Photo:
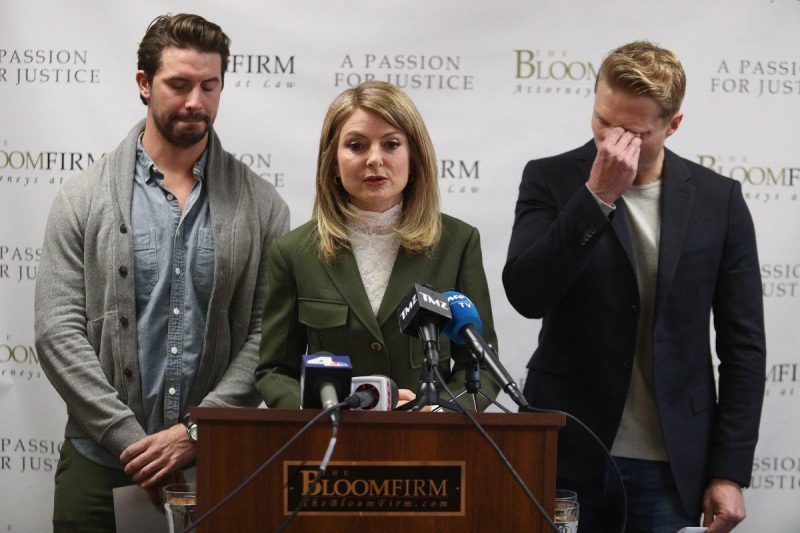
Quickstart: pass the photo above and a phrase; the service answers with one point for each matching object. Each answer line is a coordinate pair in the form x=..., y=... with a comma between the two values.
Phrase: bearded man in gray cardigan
x=152, y=282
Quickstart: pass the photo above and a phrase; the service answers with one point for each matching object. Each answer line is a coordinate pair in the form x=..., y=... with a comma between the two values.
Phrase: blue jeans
x=653, y=502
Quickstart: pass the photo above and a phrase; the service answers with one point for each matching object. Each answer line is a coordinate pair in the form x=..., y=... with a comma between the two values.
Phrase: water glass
x=566, y=516
x=179, y=503
x=563, y=495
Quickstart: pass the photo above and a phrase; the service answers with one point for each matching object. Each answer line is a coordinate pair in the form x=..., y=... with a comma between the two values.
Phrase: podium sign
x=391, y=488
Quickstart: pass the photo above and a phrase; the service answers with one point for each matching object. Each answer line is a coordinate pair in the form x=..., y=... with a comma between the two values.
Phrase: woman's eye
x=393, y=145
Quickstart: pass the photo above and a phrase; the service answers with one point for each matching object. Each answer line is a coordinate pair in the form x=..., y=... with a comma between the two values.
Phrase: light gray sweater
x=85, y=306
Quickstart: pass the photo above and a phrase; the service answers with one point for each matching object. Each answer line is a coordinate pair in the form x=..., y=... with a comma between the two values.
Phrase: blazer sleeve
x=283, y=338
x=551, y=240
x=741, y=347
x=471, y=282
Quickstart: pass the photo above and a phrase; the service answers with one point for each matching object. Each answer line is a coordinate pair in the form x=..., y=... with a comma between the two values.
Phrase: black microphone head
x=422, y=305
x=320, y=368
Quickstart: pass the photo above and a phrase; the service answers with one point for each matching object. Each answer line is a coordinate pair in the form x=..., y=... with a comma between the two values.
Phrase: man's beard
x=172, y=134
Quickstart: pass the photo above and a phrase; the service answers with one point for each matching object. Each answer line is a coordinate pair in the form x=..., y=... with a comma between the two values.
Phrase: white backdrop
x=498, y=83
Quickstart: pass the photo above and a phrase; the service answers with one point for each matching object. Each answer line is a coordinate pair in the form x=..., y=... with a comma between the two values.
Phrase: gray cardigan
x=86, y=309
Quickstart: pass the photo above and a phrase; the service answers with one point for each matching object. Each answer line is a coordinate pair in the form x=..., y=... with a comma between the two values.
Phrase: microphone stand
x=428, y=394
x=472, y=385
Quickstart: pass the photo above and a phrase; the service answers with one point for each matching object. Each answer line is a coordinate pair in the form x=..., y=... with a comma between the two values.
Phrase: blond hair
x=420, y=225
x=645, y=69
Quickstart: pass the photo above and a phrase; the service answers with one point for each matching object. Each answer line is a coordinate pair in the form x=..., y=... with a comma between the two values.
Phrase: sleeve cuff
x=606, y=208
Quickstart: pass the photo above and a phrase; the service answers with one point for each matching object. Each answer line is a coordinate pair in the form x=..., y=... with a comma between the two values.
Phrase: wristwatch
x=191, y=429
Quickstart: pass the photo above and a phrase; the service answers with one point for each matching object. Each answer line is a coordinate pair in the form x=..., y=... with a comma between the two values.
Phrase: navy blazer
x=572, y=266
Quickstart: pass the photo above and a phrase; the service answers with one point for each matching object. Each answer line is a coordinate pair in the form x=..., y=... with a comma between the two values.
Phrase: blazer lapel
x=344, y=274
x=676, y=207
x=620, y=225
x=408, y=269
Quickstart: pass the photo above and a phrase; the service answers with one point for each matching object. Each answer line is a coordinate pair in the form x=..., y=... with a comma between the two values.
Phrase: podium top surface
x=201, y=414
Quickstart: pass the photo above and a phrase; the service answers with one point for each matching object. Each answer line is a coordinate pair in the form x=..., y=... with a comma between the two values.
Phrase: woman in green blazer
x=336, y=281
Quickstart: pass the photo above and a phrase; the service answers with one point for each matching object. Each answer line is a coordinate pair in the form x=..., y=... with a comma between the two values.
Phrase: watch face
x=192, y=432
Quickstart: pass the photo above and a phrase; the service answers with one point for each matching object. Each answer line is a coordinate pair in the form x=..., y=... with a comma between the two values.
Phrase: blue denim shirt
x=174, y=269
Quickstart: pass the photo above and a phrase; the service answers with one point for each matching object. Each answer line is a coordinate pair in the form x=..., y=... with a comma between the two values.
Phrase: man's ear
x=143, y=82
x=674, y=122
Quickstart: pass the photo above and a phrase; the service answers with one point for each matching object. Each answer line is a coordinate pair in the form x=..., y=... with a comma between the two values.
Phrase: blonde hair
x=420, y=225
x=645, y=69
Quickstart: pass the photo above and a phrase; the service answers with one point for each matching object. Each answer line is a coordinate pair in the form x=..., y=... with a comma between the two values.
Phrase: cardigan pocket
x=326, y=325
x=100, y=334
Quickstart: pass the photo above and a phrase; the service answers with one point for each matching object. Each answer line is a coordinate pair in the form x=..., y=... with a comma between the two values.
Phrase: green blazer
x=315, y=305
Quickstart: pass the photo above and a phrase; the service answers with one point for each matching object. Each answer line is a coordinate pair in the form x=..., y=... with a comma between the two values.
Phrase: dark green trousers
x=83, y=499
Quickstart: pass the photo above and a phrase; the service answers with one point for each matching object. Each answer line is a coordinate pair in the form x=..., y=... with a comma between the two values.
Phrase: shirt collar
x=144, y=161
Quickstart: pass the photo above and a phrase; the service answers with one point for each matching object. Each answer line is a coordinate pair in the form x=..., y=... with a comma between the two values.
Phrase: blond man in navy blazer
x=625, y=250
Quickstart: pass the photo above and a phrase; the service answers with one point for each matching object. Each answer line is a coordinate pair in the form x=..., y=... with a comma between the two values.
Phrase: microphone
x=465, y=328
x=324, y=378
x=422, y=313
x=373, y=393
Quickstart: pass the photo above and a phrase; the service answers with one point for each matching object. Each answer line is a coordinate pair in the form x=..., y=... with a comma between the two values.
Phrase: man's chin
x=187, y=137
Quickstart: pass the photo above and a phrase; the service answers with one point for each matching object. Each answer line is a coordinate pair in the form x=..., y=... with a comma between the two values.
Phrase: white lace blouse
x=375, y=245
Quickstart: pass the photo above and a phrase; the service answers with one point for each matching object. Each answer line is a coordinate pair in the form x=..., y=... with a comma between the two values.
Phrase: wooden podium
x=389, y=472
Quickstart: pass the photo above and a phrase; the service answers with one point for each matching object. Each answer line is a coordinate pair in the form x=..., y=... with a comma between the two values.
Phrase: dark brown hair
x=181, y=31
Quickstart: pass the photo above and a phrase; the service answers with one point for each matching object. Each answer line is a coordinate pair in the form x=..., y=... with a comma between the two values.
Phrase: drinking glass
x=566, y=516
x=179, y=503
x=563, y=495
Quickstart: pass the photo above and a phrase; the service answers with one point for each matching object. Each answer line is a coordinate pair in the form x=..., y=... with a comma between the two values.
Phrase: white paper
x=134, y=512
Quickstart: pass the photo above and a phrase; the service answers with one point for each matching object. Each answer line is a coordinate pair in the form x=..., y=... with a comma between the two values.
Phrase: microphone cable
x=317, y=478
x=527, y=407
x=264, y=465
x=617, y=473
x=500, y=453
x=351, y=402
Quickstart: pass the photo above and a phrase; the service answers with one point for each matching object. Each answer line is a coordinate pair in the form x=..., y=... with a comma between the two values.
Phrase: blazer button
x=123, y=320
x=127, y=372
x=625, y=368
x=123, y=271
x=634, y=309
x=376, y=346
x=123, y=228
